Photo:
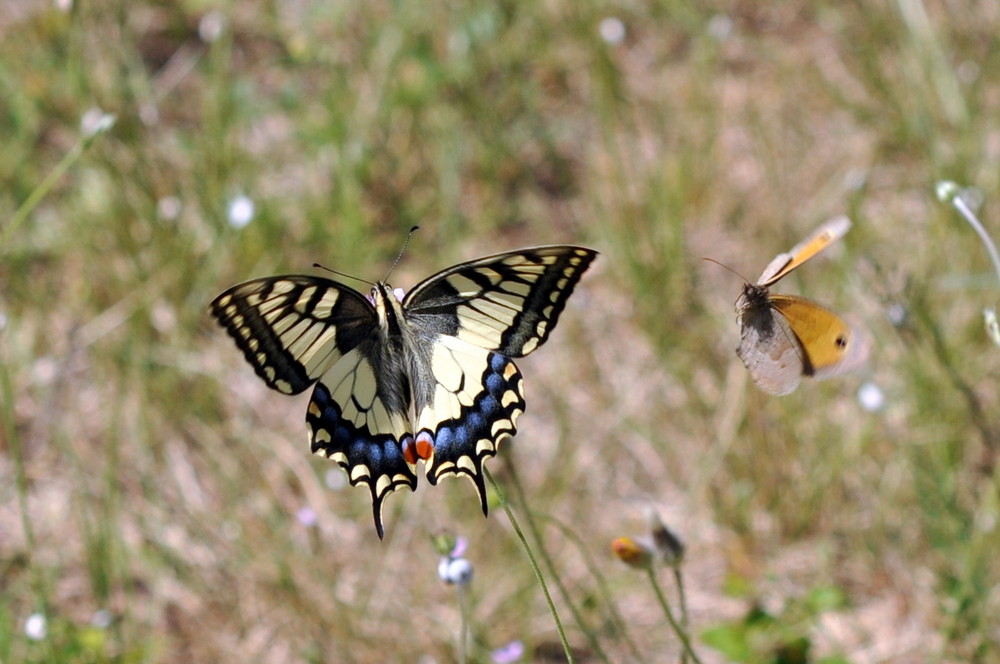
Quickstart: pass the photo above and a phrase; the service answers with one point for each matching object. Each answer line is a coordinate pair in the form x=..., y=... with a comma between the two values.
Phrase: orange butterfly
x=805, y=338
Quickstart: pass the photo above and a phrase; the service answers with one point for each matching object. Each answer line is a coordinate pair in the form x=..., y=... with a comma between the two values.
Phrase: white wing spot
x=492, y=310
x=447, y=371
x=364, y=384
x=517, y=288
x=465, y=286
x=324, y=307
x=302, y=304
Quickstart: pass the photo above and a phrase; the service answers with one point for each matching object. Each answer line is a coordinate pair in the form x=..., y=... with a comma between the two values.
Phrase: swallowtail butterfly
x=428, y=377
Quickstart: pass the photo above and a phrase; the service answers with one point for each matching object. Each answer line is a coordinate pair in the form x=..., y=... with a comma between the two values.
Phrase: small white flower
x=210, y=26
x=95, y=121
x=612, y=30
x=149, y=114
x=35, y=627
x=241, y=211
x=986, y=521
x=855, y=179
x=458, y=44
x=163, y=317
x=871, y=397
x=457, y=571
x=720, y=27
x=168, y=207
x=896, y=313
x=968, y=71
x=989, y=318
x=63, y=5
x=101, y=619
x=44, y=370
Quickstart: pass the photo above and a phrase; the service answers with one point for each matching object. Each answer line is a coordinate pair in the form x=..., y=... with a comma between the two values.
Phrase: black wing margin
x=508, y=303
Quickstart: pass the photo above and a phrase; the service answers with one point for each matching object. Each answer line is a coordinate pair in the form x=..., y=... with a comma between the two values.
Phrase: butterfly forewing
x=819, y=240
x=508, y=303
x=768, y=347
x=293, y=328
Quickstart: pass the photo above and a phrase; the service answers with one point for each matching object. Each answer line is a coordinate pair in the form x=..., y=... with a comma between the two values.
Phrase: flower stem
x=463, y=634
x=679, y=580
x=47, y=184
x=533, y=562
x=543, y=553
x=681, y=633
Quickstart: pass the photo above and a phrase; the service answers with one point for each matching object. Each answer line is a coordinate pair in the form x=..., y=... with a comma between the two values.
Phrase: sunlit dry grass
x=159, y=503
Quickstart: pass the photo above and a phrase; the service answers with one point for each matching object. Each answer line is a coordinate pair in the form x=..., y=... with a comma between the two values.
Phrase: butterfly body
x=785, y=337
x=429, y=378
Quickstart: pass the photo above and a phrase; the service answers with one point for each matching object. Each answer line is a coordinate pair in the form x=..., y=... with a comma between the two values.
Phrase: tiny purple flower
x=461, y=545
x=306, y=516
x=509, y=653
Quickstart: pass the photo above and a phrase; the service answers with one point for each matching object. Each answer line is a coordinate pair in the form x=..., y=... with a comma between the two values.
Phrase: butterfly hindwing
x=359, y=417
x=509, y=303
x=768, y=347
x=291, y=329
x=467, y=401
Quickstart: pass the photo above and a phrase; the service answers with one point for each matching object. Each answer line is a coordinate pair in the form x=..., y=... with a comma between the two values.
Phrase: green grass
x=146, y=472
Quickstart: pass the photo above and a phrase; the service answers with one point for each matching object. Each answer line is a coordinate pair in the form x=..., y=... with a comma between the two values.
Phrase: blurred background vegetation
x=159, y=504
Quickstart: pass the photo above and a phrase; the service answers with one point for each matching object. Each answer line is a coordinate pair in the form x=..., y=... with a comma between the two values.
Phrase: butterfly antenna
x=341, y=274
x=726, y=267
x=400, y=254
